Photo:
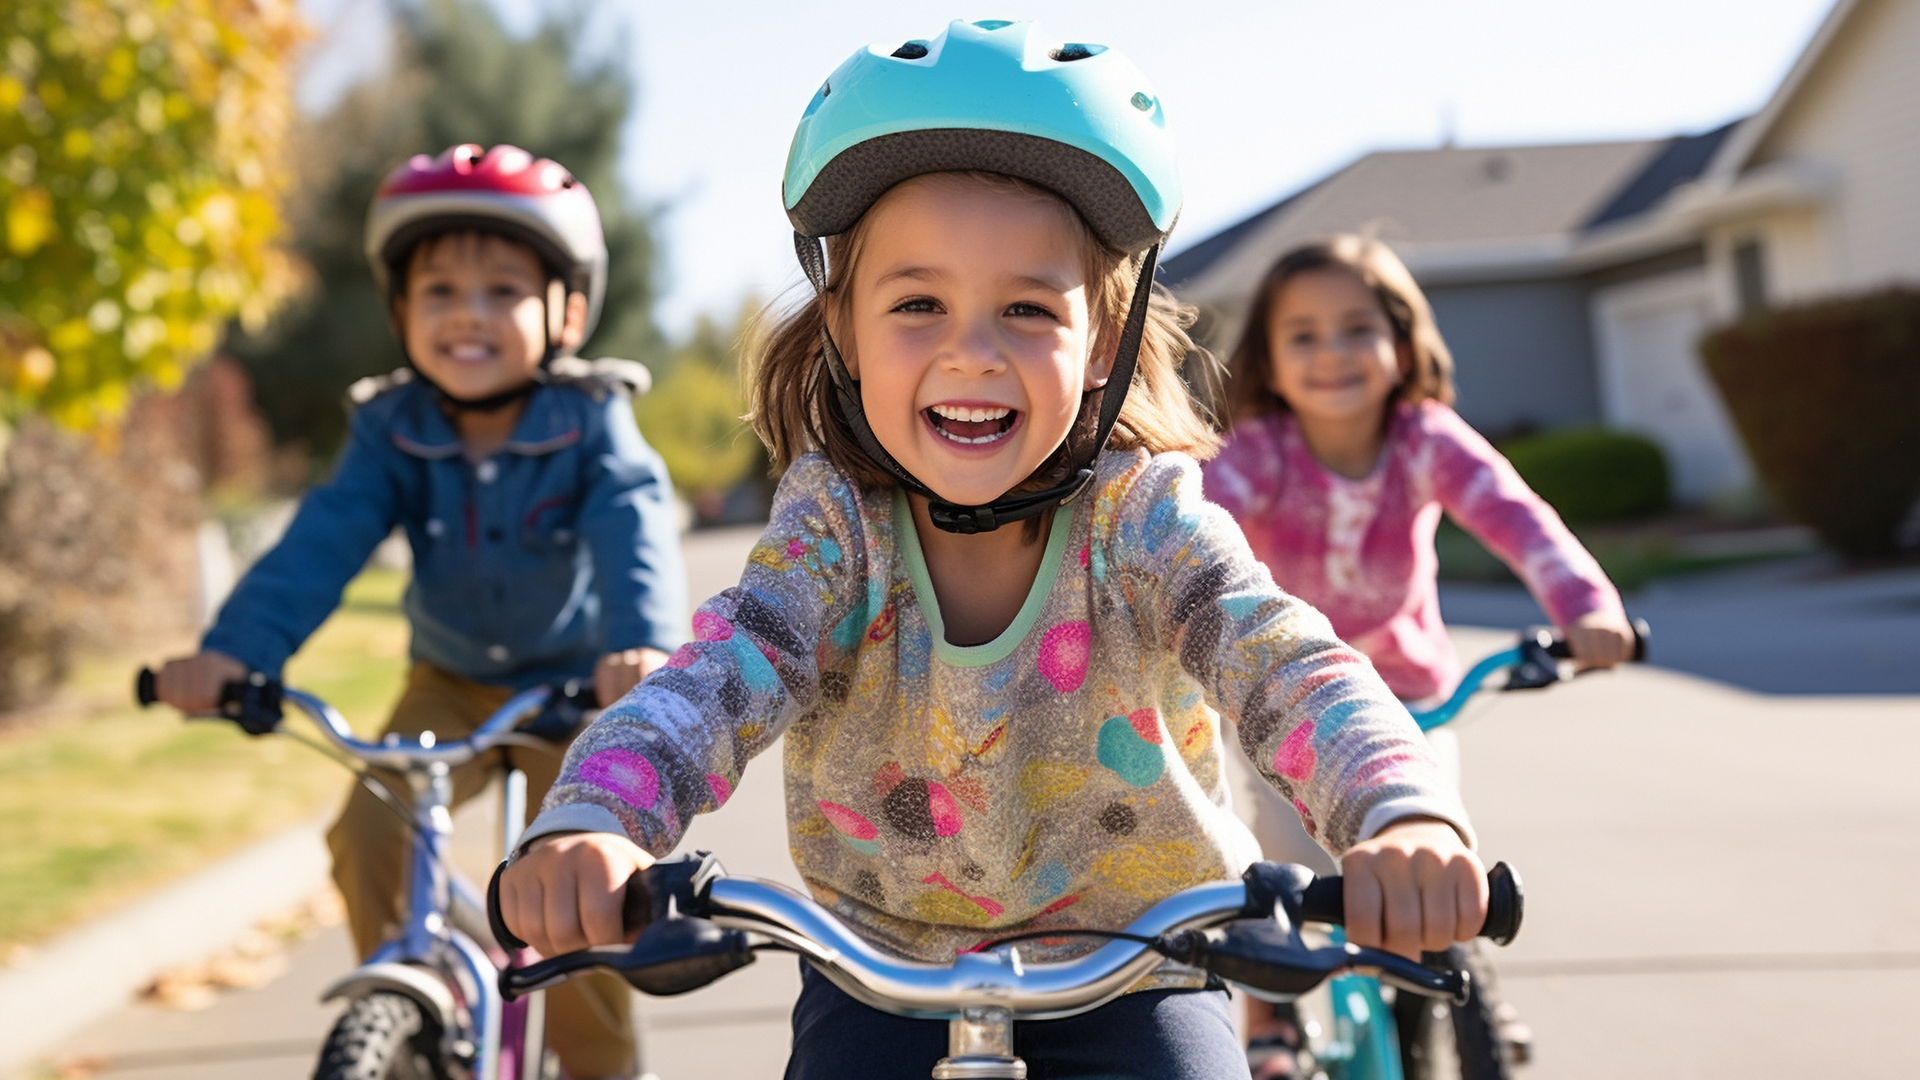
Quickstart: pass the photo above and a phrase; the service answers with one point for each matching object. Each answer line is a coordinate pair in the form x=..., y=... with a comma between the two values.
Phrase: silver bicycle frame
x=439, y=899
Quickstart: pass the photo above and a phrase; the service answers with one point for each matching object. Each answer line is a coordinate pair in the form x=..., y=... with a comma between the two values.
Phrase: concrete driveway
x=1720, y=881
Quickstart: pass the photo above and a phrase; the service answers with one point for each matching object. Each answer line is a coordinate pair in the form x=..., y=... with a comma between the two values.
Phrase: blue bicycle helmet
x=995, y=96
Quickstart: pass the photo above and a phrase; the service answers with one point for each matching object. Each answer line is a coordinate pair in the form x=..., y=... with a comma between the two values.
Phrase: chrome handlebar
x=1033, y=991
x=705, y=924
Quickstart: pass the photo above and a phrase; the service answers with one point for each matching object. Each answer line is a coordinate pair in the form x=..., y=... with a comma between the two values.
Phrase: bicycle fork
x=437, y=964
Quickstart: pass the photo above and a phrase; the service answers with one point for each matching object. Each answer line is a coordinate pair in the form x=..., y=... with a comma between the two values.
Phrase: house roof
x=1682, y=159
x=1521, y=197
x=1739, y=150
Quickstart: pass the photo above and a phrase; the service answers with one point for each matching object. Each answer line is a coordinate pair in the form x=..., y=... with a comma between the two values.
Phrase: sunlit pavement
x=1719, y=881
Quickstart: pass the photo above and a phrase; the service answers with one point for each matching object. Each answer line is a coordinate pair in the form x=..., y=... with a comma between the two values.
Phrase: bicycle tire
x=382, y=1036
x=1440, y=1040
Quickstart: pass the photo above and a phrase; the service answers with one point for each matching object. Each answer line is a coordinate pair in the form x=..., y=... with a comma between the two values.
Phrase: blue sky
x=1264, y=95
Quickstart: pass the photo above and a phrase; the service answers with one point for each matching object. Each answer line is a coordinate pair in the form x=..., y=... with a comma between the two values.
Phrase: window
x=1750, y=275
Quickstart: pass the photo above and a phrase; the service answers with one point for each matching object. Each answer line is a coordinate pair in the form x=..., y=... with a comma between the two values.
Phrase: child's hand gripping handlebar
x=257, y=704
x=704, y=924
x=1533, y=662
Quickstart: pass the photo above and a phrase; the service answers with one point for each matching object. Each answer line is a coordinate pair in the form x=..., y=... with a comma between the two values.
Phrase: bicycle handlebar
x=1557, y=647
x=707, y=924
x=1533, y=662
x=257, y=705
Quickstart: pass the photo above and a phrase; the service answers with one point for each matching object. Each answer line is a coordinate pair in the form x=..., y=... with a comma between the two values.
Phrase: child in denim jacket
x=543, y=536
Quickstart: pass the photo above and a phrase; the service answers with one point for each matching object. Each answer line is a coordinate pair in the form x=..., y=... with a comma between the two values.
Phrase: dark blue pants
x=1152, y=1035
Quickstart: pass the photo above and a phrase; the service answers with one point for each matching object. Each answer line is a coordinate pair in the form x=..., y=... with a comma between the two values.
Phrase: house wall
x=1796, y=248
x=1859, y=111
x=1522, y=351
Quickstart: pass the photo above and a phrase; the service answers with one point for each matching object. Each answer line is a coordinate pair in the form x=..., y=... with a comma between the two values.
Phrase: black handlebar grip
x=144, y=689
x=638, y=908
x=635, y=912
x=1325, y=901
x=496, y=921
x=1506, y=905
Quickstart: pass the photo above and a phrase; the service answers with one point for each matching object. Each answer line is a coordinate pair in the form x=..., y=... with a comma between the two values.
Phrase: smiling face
x=1334, y=356
x=968, y=327
x=473, y=311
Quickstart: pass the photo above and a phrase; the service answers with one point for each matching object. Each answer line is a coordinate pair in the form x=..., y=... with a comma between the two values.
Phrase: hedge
x=1592, y=474
x=1826, y=397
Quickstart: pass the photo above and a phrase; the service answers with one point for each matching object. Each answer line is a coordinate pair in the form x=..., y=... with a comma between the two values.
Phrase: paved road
x=1720, y=882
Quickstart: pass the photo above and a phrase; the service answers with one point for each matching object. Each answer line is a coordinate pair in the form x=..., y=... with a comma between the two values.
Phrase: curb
x=88, y=973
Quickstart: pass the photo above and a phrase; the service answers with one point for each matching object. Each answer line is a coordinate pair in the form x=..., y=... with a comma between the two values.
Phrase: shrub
x=96, y=549
x=1592, y=474
x=1826, y=397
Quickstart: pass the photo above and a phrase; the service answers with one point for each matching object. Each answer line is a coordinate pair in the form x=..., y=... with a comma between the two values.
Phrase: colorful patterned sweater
x=1362, y=550
x=1066, y=774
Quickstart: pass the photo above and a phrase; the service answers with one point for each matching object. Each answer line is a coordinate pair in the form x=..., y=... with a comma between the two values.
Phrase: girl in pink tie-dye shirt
x=1344, y=452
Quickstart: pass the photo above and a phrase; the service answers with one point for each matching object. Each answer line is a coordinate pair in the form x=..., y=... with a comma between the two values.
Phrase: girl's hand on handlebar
x=193, y=684
x=619, y=672
x=1414, y=887
x=1600, y=639
x=567, y=891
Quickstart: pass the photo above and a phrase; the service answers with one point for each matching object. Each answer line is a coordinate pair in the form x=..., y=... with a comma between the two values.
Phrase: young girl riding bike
x=995, y=643
x=1342, y=455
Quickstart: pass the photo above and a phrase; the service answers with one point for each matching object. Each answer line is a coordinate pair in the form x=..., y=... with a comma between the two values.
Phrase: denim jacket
x=527, y=566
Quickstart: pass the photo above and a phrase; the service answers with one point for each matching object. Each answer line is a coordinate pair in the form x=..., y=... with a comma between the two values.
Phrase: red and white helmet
x=504, y=190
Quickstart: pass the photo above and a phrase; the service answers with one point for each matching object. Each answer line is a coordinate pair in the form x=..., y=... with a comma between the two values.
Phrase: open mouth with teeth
x=973, y=425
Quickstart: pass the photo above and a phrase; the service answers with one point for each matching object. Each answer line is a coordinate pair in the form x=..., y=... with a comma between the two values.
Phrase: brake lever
x=1265, y=955
x=1410, y=975
x=1538, y=666
x=517, y=982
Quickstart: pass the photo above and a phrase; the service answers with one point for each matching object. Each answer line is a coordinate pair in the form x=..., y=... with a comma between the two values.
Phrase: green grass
x=101, y=801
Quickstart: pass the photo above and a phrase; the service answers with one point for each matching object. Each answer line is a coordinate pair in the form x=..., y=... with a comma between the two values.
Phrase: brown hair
x=1414, y=329
x=793, y=408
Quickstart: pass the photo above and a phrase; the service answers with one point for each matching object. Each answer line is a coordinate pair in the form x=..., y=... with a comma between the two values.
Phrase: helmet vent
x=1069, y=53
x=912, y=50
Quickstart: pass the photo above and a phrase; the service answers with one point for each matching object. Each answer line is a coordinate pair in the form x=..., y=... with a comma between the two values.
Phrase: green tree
x=458, y=76
x=693, y=414
x=141, y=176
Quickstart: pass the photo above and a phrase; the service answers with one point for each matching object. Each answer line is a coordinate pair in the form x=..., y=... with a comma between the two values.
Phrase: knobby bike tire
x=382, y=1036
x=1440, y=1040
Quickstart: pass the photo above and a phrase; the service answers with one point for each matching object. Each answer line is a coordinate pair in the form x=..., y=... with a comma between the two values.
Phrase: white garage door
x=1652, y=381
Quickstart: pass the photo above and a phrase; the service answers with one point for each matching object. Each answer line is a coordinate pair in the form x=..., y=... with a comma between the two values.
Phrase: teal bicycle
x=1357, y=1031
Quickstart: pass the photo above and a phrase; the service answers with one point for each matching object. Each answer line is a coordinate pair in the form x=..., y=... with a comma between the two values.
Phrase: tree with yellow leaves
x=141, y=176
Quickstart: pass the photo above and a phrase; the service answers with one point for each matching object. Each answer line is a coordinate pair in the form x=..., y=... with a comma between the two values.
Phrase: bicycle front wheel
x=382, y=1036
x=1443, y=1041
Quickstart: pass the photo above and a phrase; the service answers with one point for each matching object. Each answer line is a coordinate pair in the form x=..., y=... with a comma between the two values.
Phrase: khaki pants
x=589, y=1018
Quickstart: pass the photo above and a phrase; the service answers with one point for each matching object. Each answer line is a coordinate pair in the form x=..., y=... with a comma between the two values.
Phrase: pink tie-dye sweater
x=1362, y=550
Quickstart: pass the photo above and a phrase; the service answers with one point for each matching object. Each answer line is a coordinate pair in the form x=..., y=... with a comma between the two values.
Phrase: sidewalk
x=1793, y=626
x=90, y=973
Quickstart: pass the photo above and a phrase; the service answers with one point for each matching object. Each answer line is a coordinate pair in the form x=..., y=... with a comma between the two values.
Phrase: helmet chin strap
x=1008, y=508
